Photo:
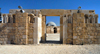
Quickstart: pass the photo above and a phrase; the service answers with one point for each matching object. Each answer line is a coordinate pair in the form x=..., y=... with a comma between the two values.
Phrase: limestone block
x=52, y=12
x=77, y=41
x=69, y=41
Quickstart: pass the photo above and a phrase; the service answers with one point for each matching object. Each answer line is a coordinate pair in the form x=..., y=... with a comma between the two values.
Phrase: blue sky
x=6, y=5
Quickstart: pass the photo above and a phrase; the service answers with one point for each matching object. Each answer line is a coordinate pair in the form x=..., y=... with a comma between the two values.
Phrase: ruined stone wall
x=31, y=29
x=85, y=32
x=75, y=28
x=78, y=28
x=21, y=21
x=7, y=29
x=82, y=30
x=3, y=34
x=92, y=33
x=19, y=29
x=69, y=37
x=30, y=33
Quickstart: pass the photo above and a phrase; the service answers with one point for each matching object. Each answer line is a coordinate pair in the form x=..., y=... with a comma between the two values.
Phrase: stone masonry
x=20, y=28
x=30, y=27
x=50, y=29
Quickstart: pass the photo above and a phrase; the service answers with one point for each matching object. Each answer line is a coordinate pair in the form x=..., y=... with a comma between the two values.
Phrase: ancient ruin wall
x=20, y=28
x=82, y=30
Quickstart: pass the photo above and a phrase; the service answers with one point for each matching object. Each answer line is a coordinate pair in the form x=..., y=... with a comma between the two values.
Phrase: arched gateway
x=55, y=30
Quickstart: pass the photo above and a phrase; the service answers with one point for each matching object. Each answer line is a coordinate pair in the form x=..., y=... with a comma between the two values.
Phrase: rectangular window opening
x=8, y=19
x=13, y=18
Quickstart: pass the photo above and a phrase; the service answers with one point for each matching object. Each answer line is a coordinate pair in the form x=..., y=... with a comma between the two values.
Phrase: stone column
x=94, y=20
x=43, y=28
x=4, y=16
x=37, y=30
x=65, y=22
x=61, y=28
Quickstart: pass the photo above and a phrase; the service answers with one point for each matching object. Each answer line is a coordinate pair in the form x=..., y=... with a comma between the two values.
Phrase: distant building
x=52, y=28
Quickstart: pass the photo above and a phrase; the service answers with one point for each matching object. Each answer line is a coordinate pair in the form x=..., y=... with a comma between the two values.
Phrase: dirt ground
x=50, y=49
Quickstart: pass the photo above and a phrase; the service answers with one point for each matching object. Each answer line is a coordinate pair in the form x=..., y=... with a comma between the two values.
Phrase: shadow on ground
x=52, y=42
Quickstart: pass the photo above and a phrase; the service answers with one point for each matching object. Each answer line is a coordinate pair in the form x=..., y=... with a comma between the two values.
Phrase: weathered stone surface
x=30, y=27
x=50, y=29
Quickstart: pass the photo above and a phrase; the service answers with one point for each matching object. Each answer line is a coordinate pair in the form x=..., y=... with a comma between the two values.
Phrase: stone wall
x=85, y=32
x=20, y=28
x=30, y=27
x=81, y=31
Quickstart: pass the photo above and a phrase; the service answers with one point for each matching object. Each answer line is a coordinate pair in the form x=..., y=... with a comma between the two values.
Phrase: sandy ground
x=50, y=49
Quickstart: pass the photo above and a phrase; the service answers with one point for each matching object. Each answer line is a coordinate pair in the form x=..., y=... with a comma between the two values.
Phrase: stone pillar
x=43, y=28
x=61, y=28
x=4, y=16
x=94, y=20
x=65, y=22
x=37, y=31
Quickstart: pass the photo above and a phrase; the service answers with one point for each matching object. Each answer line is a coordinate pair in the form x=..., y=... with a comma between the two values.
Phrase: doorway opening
x=53, y=29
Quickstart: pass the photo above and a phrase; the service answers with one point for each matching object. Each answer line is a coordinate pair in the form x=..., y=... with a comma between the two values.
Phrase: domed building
x=51, y=24
x=52, y=28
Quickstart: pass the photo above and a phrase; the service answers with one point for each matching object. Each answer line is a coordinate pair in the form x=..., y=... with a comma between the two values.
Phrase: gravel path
x=50, y=49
